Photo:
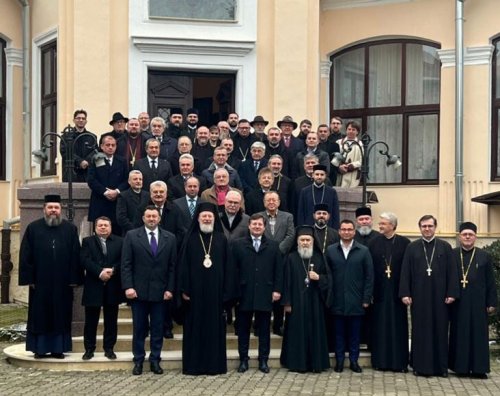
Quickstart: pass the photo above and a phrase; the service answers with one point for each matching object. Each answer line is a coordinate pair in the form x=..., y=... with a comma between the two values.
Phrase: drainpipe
x=459, y=109
x=26, y=91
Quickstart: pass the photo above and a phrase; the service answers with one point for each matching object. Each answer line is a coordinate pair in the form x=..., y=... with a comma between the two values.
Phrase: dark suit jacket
x=103, y=177
x=176, y=186
x=259, y=273
x=184, y=209
x=239, y=227
x=163, y=171
x=295, y=146
x=167, y=145
x=249, y=175
x=96, y=293
x=150, y=276
x=126, y=208
x=284, y=230
x=283, y=186
x=254, y=201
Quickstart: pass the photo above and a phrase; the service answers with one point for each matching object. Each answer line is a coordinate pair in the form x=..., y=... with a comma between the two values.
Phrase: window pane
x=47, y=72
x=423, y=147
x=497, y=71
x=498, y=140
x=422, y=75
x=348, y=80
x=194, y=9
x=385, y=75
x=388, y=129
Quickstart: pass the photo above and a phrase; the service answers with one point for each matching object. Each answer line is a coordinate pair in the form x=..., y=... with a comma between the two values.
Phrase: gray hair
x=390, y=217
x=160, y=120
x=187, y=156
x=259, y=145
x=134, y=172
x=151, y=140
x=276, y=156
x=309, y=156
x=158, y=183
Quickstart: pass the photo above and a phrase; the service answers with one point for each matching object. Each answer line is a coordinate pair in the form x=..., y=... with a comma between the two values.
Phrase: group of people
x=193, y=223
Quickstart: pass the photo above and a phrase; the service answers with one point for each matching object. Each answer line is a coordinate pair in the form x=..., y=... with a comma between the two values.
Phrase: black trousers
x=278, y=314
x=263, y=323
x=110, y=326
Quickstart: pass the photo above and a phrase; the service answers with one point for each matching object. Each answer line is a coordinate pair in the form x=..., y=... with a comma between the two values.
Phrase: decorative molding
x=192, y=46
x=324, y=67
x=14, y=57
x=327, y=5
x=472, y=56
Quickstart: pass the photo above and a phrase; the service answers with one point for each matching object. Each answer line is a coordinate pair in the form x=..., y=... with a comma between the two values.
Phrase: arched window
x=392, y=87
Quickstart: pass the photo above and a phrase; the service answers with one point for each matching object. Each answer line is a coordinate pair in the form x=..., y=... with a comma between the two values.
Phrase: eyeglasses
x=347, y=229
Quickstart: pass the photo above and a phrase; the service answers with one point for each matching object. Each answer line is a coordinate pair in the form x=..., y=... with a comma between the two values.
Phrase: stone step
x=124, y=343
x=171, y=360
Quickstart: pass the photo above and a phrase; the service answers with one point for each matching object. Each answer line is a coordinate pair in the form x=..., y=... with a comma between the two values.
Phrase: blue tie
x=191, y=207
x=154, y=243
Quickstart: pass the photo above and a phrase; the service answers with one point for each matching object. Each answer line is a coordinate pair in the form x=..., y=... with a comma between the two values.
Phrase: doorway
x=211, y=93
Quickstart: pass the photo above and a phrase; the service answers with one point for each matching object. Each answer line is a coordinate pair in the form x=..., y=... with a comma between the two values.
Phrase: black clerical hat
x=192, y=110
x=207, y=207
x=319, y=167
x=52, y=198
x=176, y=110
x=468, y=226
x=305, y=230
x=363, y=211
x=321, y=206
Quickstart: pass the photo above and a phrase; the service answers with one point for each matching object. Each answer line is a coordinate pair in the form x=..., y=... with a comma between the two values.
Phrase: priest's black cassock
x=366, y=239
x=312, y=195
x=305, y=346
x=389, y=319
x=469, y=349
x=204, y=338
x=429, y=312
x=325, y=236
x=49, y=260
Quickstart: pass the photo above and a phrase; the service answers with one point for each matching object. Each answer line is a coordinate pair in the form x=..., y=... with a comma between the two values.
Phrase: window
x=3, y=63
x=392, y=88
x=213, y=10
x=495, y=111
x=48, y=103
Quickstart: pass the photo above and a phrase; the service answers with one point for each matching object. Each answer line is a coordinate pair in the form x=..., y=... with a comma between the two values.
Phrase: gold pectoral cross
x=464, y=282
x=388, y=272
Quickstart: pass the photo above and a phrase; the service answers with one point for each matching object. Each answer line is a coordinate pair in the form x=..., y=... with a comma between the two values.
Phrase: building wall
x=343, y=27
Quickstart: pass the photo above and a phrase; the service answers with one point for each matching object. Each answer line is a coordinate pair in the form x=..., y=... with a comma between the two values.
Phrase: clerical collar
x=274, y=145
x=467, y=250
x=429, y=240
x=320, y=227
x=390, y=237
x=138, y=191
x=319, y=186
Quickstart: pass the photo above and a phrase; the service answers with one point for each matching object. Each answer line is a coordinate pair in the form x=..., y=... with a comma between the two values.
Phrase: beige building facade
x=279, y=57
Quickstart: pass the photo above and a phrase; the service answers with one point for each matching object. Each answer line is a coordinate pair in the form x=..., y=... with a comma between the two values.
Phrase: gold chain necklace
x=464, y=280
x=207, y=262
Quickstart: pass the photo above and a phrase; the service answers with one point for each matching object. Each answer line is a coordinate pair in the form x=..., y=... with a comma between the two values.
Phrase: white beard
x=364, y=230
x=305, y=253
x=207, y=228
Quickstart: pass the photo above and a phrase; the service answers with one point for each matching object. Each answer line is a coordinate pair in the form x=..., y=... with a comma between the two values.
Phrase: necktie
x=256, y=165
x=256, y=244
x=153, y=243
x=287, y=141
x=153, y=165
x=191, y=207
x=103, y=244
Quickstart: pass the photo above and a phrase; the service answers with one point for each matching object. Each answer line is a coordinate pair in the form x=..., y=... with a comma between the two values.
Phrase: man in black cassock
x=429, y=284
x=469, y=349
x=304, y=345
x=204, y=285
x=49, y=265
x=389, y=319
x=324, y=235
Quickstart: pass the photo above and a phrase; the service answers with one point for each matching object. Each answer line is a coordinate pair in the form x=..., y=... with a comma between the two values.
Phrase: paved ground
x=18, y=381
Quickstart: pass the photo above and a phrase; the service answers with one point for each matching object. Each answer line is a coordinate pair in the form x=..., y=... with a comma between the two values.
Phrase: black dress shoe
x=354, y=366
x=41, y=356
x=110, y=354
x=56, y=355
x=168, y=334
x=278, y=332
x=155, y=368
x=88, y=355
x=263, y=367
x=137, y=370
x=243, y=366
x=339, y=367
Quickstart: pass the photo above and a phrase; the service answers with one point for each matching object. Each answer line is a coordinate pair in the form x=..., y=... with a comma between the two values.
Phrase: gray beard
x=53, y=221
x=305, y=253
x=206, y=228
x=364, y=230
